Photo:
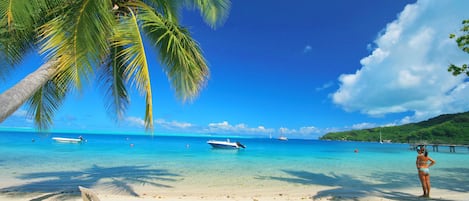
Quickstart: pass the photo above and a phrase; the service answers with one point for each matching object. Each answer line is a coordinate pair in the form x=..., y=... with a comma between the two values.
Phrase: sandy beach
x=127, y=192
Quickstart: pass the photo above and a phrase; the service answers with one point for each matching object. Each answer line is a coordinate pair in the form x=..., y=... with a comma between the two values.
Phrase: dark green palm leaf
x=16, y=32
x=111, y=77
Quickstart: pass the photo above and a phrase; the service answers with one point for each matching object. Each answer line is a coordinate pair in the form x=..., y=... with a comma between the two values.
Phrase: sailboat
x=380, y=139
x=282, y=137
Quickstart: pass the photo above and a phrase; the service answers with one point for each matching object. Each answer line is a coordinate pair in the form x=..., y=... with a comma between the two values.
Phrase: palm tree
x=82, y=37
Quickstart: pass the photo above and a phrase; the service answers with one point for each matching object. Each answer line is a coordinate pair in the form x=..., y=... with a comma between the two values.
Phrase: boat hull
x=225, y=144
x=282, y=138
x=67, y=140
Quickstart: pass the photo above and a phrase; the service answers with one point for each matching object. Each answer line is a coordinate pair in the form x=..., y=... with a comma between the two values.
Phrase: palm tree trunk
x=14, y=97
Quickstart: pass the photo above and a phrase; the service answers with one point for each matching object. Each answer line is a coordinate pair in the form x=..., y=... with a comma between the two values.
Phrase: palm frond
x=16, y=31
x=79, y=37
x=168, y=9
x=184, y=63
x=214, y=12
x=111, y=77
x=44, y=103
x=48, y=9
x=127, y=34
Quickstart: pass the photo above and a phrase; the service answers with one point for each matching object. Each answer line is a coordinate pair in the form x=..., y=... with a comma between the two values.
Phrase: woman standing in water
x=423, y=169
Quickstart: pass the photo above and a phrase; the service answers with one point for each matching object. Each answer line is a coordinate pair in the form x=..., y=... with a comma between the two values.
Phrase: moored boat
x=283, y=138
x=68, y=140
x=225, y=144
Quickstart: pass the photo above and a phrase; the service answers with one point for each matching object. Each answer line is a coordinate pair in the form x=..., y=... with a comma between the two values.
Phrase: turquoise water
x=169, y=162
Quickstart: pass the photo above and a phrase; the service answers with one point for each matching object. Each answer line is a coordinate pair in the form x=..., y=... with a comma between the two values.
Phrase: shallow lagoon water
x=169, y=161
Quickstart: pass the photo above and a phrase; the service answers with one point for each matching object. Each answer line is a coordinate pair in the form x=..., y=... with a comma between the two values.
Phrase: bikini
x=424, y=170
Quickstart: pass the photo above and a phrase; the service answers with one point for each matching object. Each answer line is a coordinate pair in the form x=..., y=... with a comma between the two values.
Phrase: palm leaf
x=113, y=83
x=127, y=34
x=214, y=12
x=79, y=37
x=16, y=32
x=184, y=64
x=44, y=103
x=168, y=9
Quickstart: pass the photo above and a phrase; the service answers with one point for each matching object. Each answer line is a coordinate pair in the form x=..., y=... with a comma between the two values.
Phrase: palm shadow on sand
x=347, y=187
x=63, y=184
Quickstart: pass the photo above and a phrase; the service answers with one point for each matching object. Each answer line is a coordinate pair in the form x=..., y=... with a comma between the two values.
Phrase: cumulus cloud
x=407, y=70
x=173, y=124
x=225, y=127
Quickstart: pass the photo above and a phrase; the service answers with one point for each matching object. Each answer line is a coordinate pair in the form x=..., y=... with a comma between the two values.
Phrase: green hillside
x=448, y=128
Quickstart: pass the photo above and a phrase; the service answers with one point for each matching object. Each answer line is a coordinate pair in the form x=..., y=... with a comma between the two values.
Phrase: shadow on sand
x=346, y=187
x=64, y=184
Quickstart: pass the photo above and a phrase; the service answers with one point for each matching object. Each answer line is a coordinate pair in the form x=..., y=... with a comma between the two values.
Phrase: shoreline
x=167, y=169
x=142, y=192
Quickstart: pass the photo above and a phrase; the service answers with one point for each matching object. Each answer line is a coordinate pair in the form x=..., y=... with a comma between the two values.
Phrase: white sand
x=242, y=193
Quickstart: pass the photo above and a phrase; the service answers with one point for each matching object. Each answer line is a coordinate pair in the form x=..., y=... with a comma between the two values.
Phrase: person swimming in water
x=423, y=170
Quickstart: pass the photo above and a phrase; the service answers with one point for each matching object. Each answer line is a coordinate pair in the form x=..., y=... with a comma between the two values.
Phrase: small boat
x=225, y=144
x=68, y=140
x=282, y=135
x=283, y=138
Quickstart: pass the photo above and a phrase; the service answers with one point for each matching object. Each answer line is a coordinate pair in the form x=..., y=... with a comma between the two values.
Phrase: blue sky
x=302, y=68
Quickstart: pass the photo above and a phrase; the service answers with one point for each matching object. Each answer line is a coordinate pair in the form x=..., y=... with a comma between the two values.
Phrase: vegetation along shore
x=443, y=129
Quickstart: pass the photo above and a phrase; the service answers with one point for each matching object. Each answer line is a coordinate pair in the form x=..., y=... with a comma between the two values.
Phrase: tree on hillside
x=82, y=37
x=463, y=44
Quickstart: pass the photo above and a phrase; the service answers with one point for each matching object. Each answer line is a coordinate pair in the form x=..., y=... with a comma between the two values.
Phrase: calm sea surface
x=168, y=160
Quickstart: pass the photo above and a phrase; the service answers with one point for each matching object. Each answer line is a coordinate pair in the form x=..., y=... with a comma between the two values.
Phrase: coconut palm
x=82, y=38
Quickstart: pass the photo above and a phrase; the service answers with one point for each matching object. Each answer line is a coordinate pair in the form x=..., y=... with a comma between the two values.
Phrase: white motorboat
x=225, y=144
x=283, y=138
x=68, y=140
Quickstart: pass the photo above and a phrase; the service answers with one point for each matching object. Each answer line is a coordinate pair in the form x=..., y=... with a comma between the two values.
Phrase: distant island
x=443, y=129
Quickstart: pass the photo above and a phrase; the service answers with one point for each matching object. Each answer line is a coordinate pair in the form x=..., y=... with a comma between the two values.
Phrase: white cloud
x=325, y=86
x=303, y=131
x=225, y=127
x=363, y=126
x=173, y=124
x=20, y=113
x=407, y=79
x=308, y=130
x=307, y=49
x=407, y=70
x=135, y=121
x=162, y=123
x=377, y=56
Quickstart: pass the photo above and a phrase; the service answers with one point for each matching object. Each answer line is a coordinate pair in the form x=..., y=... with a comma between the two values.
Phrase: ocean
x=33, y=162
